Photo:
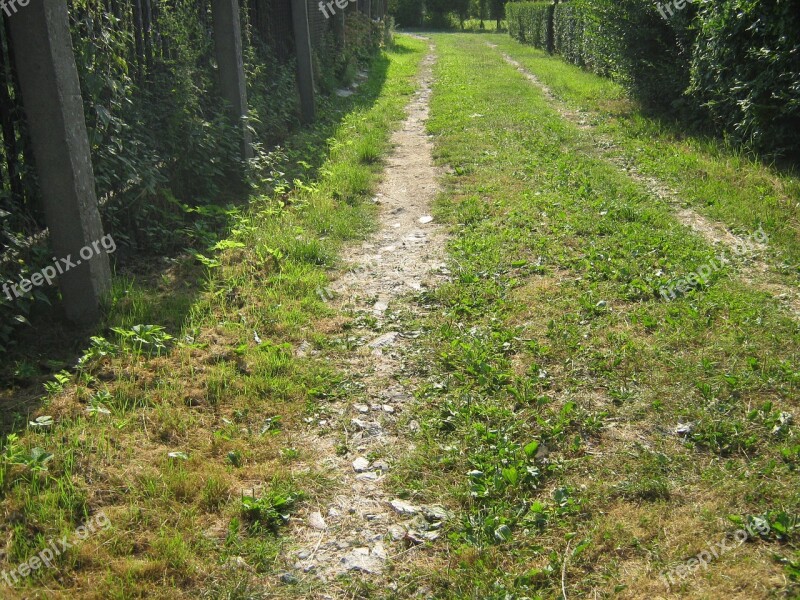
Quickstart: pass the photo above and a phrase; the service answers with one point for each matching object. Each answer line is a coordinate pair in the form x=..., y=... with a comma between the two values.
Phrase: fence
x=157, y=108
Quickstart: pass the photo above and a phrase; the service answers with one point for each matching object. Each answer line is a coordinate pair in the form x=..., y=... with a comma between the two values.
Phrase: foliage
x=438, y=12
x=497, y=11
x=267, y=513
x=338, y=65
x=163, y=148
x=407, y=13
x=745, y=70
x=627, y=41
x=530, y=23
x=738, y=60
x=153, y=430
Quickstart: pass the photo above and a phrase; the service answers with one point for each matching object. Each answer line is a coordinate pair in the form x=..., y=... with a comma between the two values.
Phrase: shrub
x=622, y=39
x=745, y=70
x=735, y=60
x=407, y=13
x=531, y=23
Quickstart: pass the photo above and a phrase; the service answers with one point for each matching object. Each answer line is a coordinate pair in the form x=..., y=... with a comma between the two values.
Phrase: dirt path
x=364, y=528
x=754, y=271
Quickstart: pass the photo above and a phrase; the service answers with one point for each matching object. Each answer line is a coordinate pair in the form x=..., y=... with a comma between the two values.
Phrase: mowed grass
x=713, y=177
x=188, y=435
x=589, y=434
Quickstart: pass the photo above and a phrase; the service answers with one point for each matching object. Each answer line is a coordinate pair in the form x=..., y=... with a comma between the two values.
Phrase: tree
x=497, y=10
x=407, y=13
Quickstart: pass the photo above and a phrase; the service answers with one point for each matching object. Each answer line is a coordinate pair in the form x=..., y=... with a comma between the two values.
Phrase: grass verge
x=180, y=424
x=711, y=176
x=591, y=435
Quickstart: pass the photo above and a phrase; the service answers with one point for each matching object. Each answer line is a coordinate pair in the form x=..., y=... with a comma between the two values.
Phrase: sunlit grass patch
x=587, y=432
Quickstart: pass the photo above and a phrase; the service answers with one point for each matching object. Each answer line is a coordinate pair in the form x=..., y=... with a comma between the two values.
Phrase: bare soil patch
x=364, y=529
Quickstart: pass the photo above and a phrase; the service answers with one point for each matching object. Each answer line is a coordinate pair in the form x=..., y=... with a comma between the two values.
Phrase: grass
x=716, y=179
x=187, y=434
x=590, y=434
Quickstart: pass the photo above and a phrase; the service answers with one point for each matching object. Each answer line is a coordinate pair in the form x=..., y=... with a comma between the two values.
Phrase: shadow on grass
x=701, y=130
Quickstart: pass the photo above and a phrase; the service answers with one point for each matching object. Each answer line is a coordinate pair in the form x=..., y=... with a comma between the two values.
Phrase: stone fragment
x=404, y=508
x=316, y=521
x=436, y=512
x=360, y=559
x=360, y=464
x=387, y=339
x=380, y=465
x=420, y=537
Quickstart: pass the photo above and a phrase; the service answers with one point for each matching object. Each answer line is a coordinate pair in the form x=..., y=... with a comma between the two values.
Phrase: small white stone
x=380, y=465
x=404, y=508
x=360, y=559
x=316, y=521
x=360, y=464
x=385, y=340
x=379, y=551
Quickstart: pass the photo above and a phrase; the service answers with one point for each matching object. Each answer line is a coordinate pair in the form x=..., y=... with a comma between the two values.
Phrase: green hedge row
x=624, y=39
x=745, y=70
x=735, y=63
x=531, y=23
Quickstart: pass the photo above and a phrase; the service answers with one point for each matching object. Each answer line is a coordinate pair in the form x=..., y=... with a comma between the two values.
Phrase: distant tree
x=437, y=11
x=497, y=10
x=407, y=13
x=461, y=8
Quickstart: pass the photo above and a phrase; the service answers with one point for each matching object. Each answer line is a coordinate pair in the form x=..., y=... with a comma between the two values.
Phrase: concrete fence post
x=305, y=68
x=51, y=96
x=230, y=62
x=338, y=27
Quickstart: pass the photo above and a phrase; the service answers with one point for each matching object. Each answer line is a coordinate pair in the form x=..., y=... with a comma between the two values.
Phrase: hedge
x=531, y=23
x=735, y=63
x=624, y=39
x=745, y=71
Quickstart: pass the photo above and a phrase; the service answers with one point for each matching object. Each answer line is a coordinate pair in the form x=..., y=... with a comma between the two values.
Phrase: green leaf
x=511, y=475
x=530, y=449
